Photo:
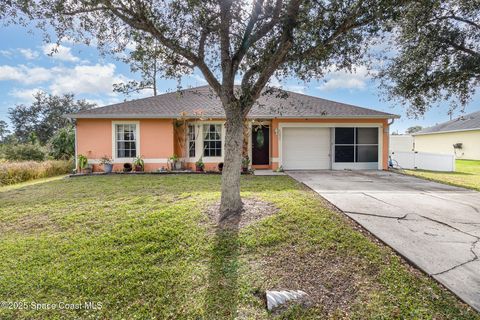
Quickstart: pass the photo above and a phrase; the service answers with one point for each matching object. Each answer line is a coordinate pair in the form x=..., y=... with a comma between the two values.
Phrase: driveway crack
x=447, y=225
x=475, y=258
x=377, y=215
x=383, y=201
x=452, y=200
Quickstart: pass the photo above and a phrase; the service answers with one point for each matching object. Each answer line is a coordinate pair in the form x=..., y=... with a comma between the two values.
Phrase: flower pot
x=220, y=166
x=198, y=168
x=127, y=167
x=107, y=168
x=178, y=165
x=245, y=169
x=138, y=168
x=87, y=170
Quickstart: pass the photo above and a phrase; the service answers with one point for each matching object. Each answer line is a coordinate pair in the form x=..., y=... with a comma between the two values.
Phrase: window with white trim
x=212, y=140
x=191, y=141
x=356, y=144
x=126, y=140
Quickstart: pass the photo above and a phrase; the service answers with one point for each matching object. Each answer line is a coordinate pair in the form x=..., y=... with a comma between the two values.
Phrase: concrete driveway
x=435, y=226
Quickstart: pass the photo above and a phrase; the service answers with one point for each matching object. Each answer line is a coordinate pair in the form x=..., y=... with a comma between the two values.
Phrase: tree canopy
x=3, y=130
x=45, y=116
x=413, y=129
x=438, y=54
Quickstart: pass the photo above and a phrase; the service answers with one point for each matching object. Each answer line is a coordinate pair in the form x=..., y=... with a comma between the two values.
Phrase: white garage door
x=306, y=148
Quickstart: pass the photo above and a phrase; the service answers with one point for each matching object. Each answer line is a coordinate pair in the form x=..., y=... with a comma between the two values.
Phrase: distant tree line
x=40, y=130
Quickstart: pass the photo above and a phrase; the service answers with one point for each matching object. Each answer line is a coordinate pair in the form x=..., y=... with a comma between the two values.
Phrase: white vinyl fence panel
x=401, y=143
x=423, y=161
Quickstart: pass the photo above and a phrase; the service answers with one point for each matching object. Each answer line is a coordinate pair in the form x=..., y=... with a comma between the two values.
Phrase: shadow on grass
x=222, y=293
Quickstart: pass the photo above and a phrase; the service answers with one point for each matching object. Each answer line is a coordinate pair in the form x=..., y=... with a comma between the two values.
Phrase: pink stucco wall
x=94, y=140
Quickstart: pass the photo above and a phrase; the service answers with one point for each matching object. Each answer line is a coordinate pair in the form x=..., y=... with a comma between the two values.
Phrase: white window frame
x=199, y=142
x=114, y=141
x=189, y=140
x=355, y=145
x=221, y=139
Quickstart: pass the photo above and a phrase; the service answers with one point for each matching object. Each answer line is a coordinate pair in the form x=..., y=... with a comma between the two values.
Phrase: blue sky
x=26, y=67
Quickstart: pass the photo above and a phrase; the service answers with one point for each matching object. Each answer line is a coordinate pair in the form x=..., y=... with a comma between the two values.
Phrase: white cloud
x=199, y=80
x=81, y=79
x=357, y=80
x=87, y=79
x=29, y=53
x=59, y=52
x=6, y=53
x=24, y=74
x=25, y=95
x=274, y=82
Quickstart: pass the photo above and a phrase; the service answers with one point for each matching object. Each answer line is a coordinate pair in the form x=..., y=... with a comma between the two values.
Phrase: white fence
x=403, y=143
x=423, y=161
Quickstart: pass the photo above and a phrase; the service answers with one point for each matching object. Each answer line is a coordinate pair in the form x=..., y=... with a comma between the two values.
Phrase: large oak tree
x=227, y=41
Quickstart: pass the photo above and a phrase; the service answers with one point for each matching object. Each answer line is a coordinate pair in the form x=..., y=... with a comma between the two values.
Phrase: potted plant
x=220, y=166
x=127, y=167
x=139, y=164
x=199, y=165
x=175, y=163
x=83, y=164
x=245, y=163
x=107, y=164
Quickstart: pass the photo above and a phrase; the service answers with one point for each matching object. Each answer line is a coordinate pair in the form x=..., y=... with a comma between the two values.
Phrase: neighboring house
x=463, y=132
x=295, y=132
x=401, y=143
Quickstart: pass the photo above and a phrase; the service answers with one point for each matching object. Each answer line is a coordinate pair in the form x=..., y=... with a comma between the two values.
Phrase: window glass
x=344, y=135
x=191, y=141
x=367, y=154
x=344, y=154
x=356, y=144
x=126, y=140
x=212, y=141
x=367, y=135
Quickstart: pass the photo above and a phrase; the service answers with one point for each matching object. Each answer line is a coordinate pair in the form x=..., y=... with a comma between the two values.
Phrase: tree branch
x=279, y=56
x=248, y=38
x=141, y=22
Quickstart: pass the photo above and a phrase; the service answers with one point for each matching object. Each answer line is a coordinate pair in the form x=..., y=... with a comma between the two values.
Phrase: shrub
x=62, y=144
x=23, y=152
x=15, y=172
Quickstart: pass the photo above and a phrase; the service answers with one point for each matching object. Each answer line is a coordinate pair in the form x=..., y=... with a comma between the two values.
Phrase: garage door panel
x=306, y=148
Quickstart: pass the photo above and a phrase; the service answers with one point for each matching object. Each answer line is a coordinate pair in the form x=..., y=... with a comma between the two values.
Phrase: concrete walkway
x=435, y=226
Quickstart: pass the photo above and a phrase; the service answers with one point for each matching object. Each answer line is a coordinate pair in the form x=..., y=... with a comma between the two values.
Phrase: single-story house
x=460, y=136
x=293, y=131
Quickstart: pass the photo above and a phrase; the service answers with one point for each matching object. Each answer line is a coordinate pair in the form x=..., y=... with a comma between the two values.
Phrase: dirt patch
x=29, y=224
x=333, y=283
x=253, y=211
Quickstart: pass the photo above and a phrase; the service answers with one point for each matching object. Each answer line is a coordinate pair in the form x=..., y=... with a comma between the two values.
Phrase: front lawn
x=144, y=247
x=467, y=174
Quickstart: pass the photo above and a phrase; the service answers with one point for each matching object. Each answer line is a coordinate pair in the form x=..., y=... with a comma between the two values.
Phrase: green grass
x=467, y=174
x=143, y=247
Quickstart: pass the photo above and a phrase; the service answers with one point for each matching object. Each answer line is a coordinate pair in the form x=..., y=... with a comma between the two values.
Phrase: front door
x=260, y=145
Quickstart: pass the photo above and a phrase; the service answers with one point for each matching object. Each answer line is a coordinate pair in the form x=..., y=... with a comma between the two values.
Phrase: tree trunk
x=231, y=203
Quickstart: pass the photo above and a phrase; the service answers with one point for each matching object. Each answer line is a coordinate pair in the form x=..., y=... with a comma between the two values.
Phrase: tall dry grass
x=15, y=172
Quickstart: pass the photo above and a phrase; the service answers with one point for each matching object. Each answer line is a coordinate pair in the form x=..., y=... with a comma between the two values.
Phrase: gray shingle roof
x=467, y=122
x=202, y=102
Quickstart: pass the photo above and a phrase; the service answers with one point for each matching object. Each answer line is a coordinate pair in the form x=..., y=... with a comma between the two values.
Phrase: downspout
x=389, y=159
x=76, y=157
